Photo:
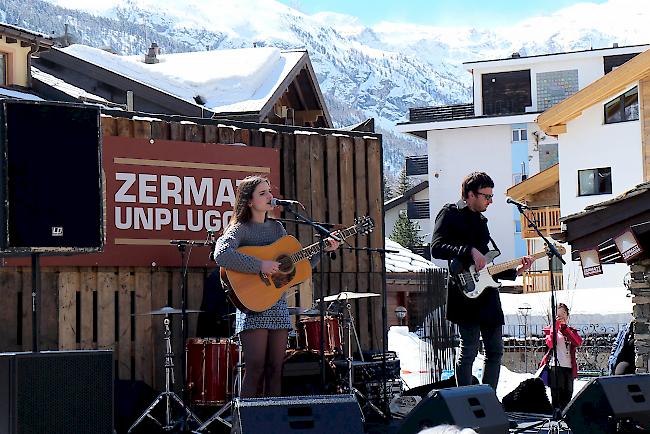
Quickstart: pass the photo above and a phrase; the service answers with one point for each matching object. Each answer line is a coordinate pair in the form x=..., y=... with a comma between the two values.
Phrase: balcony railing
x=418, y=165
x=547, y=219
x=441, y=113
x=538, y=281
x=418, y=209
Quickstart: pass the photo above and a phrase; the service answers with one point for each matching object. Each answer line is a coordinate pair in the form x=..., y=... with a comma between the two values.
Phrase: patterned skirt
x=275, y=318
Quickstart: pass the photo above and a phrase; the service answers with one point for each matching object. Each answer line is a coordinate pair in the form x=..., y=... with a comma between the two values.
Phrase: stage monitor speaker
x=319, y=414
x=611, y=405
x=475, y=407
x=56, y=392
x=50, y=178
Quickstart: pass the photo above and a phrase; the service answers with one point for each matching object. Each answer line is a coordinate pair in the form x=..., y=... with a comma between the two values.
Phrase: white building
x=604, y=147
x=414, y=204
x=497, y=133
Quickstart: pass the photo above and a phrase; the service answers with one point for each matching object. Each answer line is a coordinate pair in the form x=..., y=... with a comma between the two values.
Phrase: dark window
x=611, y=62
x=595, y=181
x=506, y=92
x=623, y=108
x=418, y=209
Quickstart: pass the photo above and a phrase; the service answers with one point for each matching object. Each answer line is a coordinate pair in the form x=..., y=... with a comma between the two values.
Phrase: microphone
x=517, y=204
x=285, y=202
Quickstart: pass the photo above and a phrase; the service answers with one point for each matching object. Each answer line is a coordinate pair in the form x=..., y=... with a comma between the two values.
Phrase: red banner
x=157, y=191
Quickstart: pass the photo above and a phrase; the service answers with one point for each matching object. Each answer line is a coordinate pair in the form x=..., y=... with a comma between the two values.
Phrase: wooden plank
x=124, y=127
x=346, y=173
x=48, y=319
x=303, y=190
x=176, y=131
x=226, y=135
x=318, y=204
x=10, y=285
x=242, y=135
x=195, y=281
x=107, y=286
x=126, y=285
x=194, y=133
x=143, y=330
x=160, y=130
x=349, y=283
x=87, y=287
x=376, y=312
x=141, y=129
x=361, y=200
x=68, y=286
x=288, y=174
x=177, y=335
x=375, y=199
x=333, y=201
x=26, y=278
x=364, y=319
x=109, y=126
x=211, y=134
x=160, y=284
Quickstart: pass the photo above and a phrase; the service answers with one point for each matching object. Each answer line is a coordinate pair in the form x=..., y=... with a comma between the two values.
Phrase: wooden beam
x=307, y=115
x=555, y=130
x=605, y=87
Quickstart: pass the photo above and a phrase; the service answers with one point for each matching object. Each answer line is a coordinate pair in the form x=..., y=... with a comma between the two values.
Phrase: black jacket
x=456, y=231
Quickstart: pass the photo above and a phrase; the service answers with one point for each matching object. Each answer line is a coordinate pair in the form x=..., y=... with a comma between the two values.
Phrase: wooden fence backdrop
x=337, y=175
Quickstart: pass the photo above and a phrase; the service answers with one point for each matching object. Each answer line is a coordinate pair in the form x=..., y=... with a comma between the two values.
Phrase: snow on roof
x=65, y=87
x=602, y=306
x=237, y=80
x=10, y=93
x=404, y=261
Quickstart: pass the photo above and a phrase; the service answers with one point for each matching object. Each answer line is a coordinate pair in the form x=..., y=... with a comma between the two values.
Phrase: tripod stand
x=348, y=321
x=167, y=395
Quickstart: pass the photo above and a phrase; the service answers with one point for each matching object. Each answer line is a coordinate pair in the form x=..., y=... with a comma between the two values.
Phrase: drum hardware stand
x=236, y=391
x=350, y=327
x=168, y=395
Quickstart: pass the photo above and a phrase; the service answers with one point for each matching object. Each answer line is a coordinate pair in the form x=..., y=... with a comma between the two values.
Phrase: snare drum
x=211, y=364
x=309, y=335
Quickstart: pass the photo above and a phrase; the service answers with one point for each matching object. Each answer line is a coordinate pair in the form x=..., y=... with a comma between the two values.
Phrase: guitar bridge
x=461, y=278
x=265, y=279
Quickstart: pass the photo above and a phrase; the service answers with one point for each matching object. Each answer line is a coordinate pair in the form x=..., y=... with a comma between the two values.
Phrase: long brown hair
x=242, y=212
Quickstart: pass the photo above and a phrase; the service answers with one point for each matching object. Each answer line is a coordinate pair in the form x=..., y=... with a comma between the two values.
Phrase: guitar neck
x=509, y=265
x=313, y=249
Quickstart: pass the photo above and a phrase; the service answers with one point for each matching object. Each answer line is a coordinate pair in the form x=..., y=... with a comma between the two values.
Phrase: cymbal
x=167, y=310
x=346, y=295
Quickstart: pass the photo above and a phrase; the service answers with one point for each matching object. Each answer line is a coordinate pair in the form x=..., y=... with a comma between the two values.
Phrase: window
x=3, y=69
x=506, y=92
x=623, y=108
x=595, y=181
x=519, y=135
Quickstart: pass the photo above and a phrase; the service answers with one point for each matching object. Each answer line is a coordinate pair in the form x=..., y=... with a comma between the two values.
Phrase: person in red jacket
x=564, y=369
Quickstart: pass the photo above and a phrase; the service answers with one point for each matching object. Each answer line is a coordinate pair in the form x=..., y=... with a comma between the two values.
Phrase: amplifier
x=363, y=372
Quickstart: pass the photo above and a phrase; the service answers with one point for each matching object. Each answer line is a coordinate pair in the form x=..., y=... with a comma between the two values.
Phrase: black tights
x=264, y=352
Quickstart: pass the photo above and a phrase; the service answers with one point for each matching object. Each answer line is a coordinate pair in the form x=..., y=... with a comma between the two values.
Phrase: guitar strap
x=494, y=245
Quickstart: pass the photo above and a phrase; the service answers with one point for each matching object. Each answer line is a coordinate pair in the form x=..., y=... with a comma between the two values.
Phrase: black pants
x=561, y=383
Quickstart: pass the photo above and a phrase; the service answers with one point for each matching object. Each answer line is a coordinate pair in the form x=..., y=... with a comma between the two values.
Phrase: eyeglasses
x=486, y=196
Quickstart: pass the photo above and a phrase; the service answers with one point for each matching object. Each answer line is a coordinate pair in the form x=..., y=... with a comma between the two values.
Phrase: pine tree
x=406, y=232
x=403, y=182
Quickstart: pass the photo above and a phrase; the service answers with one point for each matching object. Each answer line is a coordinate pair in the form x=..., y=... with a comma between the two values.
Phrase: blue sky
x=482, y=13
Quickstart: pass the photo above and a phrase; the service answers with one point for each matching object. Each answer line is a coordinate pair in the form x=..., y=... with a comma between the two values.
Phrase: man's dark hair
x=563, y=306
x=474, y=182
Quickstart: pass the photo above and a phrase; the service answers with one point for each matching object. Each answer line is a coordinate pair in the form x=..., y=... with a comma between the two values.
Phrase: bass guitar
x=472, y=283
x=258, y=292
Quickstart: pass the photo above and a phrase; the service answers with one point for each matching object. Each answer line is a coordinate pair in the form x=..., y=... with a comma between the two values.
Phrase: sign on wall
x=157, y=191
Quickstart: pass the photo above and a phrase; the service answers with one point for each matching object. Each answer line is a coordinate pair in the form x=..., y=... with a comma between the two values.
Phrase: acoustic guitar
x=258, y=292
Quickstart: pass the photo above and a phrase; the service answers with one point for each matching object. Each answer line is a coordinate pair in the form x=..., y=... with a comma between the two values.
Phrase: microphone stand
x=324, y=233
x=384, y=322
x=551, y=251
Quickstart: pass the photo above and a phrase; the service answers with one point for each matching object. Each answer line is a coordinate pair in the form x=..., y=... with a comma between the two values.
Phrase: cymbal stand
x=168, y=395
x=351, y=328
x=236, y=391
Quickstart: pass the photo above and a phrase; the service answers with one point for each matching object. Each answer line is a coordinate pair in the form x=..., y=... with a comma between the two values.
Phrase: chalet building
x=604, y=139
x=266, y=85
x=497, y=133
x=414, y=204
x=17, y=48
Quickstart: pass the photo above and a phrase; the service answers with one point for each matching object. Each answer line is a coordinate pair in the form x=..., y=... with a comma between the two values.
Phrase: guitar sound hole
x=286, y=264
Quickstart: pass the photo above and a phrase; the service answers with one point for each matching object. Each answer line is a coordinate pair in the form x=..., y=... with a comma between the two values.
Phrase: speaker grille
x=64, y=392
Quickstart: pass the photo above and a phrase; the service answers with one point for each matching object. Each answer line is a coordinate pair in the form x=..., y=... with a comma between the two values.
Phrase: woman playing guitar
x=263, y=334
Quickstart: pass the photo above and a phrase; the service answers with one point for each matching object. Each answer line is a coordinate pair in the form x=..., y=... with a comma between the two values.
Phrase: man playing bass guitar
x=461, y=234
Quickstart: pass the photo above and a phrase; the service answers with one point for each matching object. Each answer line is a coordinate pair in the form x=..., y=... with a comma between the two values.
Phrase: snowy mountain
x=377, y=71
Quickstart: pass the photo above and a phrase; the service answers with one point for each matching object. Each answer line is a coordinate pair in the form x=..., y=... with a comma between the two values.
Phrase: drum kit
x=214, y=366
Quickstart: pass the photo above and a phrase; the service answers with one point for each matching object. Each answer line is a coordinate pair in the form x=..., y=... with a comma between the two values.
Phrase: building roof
x=553, y=121
x=404, y=260
x=536, y=183
x=516, y=58
x=398, y=200
x=26, y=35
x=75, y=93
x=17, y=94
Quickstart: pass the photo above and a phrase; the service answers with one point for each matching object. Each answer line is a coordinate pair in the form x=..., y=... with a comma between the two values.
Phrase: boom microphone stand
x=551, y=251
x=324, y=233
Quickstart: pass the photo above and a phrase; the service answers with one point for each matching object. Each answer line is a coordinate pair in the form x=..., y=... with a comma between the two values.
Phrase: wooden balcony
x=547, y=219
x=538, y=281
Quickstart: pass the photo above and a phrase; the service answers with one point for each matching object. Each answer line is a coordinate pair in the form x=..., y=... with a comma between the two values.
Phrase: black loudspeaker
x=50, y=178
x=320, y=414
x=56, y=392
x=611, y=405
x=475, y=407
